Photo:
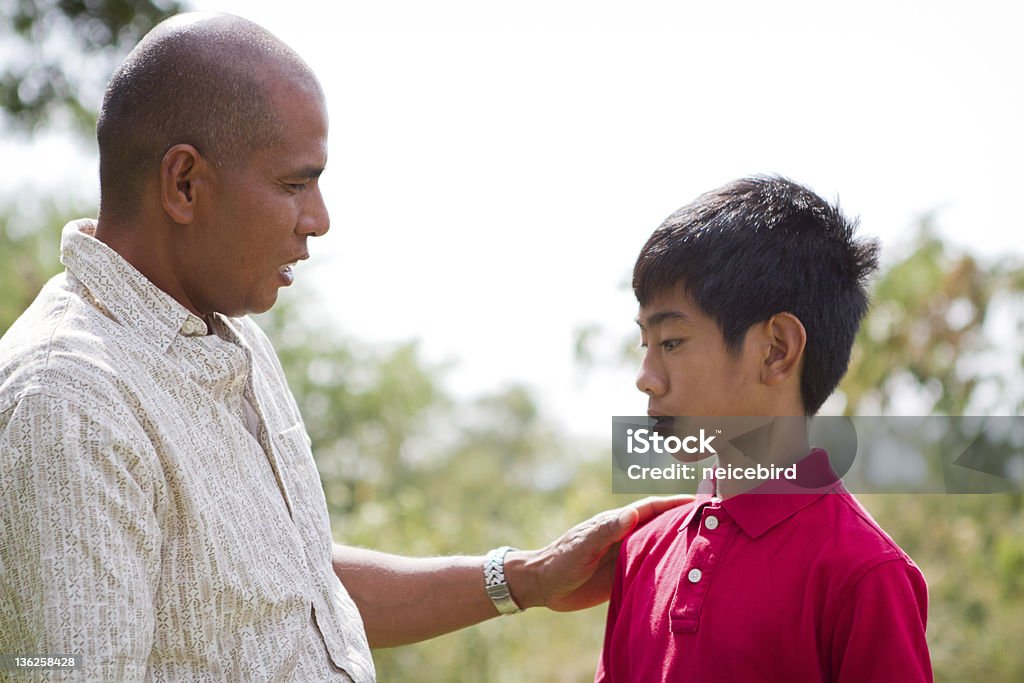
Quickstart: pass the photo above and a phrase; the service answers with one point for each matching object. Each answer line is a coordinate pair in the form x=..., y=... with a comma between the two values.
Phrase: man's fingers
x=606, y=529
x=582, y=560
x=613, y=528
x=651, y=507
x=622, y=524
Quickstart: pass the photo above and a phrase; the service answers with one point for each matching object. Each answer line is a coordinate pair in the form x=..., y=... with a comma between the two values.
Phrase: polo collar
x=122, y=292
x=772, y=502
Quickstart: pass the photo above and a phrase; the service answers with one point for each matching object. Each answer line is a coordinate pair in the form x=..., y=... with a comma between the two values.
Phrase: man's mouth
x=287, y=272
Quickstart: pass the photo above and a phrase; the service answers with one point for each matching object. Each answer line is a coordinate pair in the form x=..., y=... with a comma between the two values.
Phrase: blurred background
x=462, y=336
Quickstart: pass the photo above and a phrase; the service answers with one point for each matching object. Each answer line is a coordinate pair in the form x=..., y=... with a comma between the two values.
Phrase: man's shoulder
x=56, y=347
x=25, y=346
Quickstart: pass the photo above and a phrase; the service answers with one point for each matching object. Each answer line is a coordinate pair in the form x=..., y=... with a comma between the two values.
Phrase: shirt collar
x=776, y=500
x=121, y=291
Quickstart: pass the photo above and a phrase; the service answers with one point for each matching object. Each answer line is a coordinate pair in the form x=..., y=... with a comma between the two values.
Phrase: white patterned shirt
x=143, y=525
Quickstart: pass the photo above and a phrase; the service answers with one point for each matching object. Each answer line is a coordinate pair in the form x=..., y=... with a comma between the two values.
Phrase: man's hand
x=575, y=571
x=405, y=599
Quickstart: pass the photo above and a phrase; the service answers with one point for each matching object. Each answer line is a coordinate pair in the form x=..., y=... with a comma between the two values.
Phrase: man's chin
x=261, y=302
x=260, y=308
x=249, y=308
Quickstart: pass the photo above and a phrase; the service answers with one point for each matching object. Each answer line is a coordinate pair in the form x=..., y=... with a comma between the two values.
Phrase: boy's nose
x=650, y=380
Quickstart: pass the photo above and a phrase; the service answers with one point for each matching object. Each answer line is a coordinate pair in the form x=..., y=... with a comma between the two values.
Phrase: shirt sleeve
x=80, y=550
x=880, y=629
x=605, y=671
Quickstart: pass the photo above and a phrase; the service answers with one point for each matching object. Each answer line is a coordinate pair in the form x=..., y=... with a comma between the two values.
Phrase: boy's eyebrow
x=655, y=319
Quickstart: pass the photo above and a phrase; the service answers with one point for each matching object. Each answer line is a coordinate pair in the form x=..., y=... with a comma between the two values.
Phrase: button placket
x=265, y=437
x=702, y=558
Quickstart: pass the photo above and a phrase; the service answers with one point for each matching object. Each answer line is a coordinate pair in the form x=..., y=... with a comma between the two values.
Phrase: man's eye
x=296, y=187
x=671, y=344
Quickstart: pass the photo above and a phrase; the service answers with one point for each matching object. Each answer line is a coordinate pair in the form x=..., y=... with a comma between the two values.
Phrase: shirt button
x=711, y=522
x=193, y=328
x=694, y=575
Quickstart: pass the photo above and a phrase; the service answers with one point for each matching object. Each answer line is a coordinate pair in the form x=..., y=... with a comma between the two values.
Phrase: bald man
x=162, y=516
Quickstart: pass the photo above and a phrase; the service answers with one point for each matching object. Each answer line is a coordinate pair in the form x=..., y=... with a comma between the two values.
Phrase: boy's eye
x=671, y=344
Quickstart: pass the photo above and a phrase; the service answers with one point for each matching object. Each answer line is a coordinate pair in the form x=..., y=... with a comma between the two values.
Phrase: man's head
x=750, y=299
x=198, y=79
x=212, y=136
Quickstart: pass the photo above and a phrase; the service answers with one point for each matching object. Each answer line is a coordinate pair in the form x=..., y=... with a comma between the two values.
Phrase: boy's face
x=687, y=370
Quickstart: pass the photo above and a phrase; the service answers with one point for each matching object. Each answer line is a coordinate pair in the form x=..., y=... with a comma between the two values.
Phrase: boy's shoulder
x=850, y=536
x=841, y=541
x=656, y=527
x=655, y=537
x=833, y=530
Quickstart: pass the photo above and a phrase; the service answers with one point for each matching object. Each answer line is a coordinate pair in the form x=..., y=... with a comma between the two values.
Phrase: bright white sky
x=495, y=168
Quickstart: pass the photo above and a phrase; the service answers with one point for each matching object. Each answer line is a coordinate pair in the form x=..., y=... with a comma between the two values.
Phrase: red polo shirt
x=766, y=587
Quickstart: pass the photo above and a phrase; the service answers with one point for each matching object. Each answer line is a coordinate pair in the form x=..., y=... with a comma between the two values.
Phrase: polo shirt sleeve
x=80, y=550
x=879, y=632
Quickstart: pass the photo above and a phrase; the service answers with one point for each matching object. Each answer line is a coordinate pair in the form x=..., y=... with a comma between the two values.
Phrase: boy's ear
x=182, y=171
x=787, y=339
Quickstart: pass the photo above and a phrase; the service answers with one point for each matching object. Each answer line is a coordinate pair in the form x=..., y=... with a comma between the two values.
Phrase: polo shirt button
x=694, y=575
x=711, y=522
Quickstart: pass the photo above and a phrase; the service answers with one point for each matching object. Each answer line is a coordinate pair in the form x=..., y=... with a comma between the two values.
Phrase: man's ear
x=182, y=171
x=787, y=339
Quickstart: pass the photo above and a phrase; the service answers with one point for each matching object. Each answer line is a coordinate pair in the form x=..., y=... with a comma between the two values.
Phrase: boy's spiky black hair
x=764, y=245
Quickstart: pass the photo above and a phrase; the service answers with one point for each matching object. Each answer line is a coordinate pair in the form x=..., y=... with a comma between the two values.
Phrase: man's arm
x=404, y=600
x=80, y=541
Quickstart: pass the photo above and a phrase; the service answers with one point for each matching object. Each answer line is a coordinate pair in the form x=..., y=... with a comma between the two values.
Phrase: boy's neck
x=781, y=442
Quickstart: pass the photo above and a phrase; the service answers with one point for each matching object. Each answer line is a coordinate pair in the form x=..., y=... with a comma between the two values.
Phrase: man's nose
x=315, y=220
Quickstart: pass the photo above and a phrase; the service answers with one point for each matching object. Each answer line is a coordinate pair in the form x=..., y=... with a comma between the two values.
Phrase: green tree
x=63, y=52
x=28, y=258
x=943, y=325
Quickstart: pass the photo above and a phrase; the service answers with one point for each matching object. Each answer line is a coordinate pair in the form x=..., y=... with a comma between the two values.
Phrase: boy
x=750, y=299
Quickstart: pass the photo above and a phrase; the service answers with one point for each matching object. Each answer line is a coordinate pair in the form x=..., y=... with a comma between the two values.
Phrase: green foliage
x=29, y=256
x=930, y=332
x=64, y=48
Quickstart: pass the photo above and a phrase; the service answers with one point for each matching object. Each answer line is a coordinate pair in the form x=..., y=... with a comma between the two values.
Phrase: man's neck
x=150, y=254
